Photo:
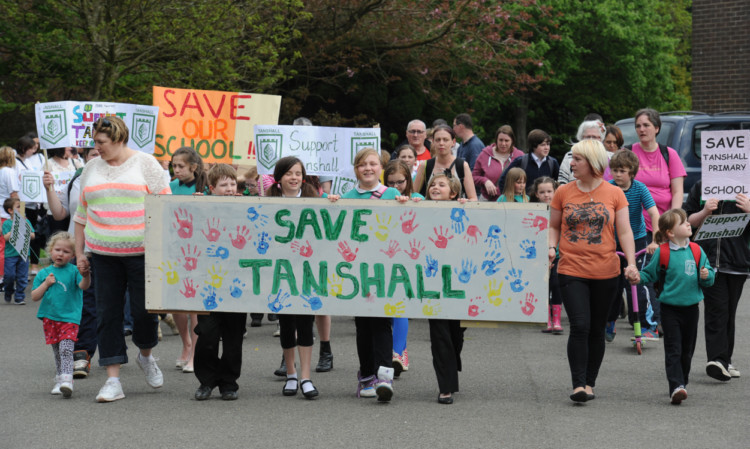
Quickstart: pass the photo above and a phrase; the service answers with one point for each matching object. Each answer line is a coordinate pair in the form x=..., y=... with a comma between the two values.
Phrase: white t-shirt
x=8, y=185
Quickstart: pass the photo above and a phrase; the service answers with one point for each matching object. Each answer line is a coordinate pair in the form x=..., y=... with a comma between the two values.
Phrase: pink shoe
x=548, y=330
x=405, y=359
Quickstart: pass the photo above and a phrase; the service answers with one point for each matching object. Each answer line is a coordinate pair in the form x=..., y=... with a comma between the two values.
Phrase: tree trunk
x=520, y=118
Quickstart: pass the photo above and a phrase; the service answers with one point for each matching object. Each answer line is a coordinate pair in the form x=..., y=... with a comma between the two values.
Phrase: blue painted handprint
x=277, y=303
x=209, y=298
x=491, y=264
x=236, y=288
x=493, y=237
x=467, y=270
x=312, y=302
x=528, y=246
x=432, y=266
x=217, y=251
x=261, y=242
x=516, y=284
x=457, y=216
x=256, y=217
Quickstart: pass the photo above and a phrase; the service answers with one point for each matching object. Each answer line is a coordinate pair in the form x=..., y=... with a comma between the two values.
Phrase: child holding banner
x=446, y=336
x=16, y=269
x=374, y=335
x=731, y=258
x=8, y=186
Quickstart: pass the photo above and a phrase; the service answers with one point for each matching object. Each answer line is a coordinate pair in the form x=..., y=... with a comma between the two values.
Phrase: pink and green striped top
x=112, y=205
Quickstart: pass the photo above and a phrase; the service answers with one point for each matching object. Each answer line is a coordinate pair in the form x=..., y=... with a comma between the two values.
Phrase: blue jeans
x=113, y=276
x=15, y=278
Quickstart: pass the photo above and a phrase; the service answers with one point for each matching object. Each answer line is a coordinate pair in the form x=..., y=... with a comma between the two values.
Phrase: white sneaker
x=678, y=395
x=56, y=388
x=111, y=391
x=66, y=385
x=384, y=384
x=717, y=371
x=734, y=372
x=154, y=376
x=277, y=332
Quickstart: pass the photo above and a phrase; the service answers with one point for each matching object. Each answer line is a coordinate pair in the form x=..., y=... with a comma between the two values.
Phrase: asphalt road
x=514, y=393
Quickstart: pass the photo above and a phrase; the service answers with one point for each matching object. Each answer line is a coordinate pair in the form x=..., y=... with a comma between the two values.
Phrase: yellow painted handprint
x=336, y=285
x=383, y=227
x=169, y=270
x=396, y=309
x=431, y=310
x=217, y=276
x=493, y=292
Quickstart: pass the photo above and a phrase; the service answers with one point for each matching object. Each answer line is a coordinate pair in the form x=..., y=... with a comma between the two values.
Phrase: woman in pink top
x=492, y=161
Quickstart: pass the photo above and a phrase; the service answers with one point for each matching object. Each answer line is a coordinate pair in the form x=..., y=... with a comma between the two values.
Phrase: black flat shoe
x=310, y=394
x=290, y=391
x=445, y=400
x=281, y=370
x=325, y=363
x=590, y=397
x=203, y=392
x=229, y=396
x=579, y=396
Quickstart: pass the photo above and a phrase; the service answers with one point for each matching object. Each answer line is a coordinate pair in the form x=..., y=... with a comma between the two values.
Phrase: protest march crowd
x=603, y=197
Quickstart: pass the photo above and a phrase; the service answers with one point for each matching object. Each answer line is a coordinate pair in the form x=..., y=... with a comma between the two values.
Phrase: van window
x=664, y=137
x=699, y=128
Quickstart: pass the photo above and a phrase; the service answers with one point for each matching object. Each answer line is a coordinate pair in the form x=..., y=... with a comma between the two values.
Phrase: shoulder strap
x=551, y=167
x=664, y=153
x=696, y=249
x=22, y=163
x=379, y=193
x=525, y=161
x=664, y=256
x=70, y=184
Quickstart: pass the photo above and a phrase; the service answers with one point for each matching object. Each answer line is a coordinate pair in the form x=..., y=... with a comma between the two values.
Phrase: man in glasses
x=416, y=133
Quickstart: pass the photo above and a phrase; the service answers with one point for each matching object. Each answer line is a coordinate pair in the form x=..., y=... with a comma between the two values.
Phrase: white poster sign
x=725, y=170
x=20, y=235
x=70, y=123
x=722, y=226
x=32, y=187
x=478, y=261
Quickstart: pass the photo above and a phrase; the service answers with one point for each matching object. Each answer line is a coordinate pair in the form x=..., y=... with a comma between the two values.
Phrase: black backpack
x=458, y=164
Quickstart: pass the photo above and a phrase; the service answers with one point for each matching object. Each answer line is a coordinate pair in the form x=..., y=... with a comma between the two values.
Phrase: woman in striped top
x=110, y=218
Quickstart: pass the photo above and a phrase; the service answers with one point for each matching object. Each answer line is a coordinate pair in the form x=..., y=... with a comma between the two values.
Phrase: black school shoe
x=203, y=392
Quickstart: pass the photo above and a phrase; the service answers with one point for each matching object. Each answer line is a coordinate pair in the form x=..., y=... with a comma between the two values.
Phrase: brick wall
x=721, y=55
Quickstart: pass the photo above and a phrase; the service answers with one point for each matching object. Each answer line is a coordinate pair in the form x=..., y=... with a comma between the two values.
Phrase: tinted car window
x=665, y=135
x=713, y=127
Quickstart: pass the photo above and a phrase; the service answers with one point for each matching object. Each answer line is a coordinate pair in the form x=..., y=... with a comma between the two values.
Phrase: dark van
x=682, y=130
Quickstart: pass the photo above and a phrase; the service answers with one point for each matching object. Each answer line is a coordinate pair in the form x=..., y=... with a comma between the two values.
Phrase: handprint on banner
x=493, y=290
x=183, y=223
x=475, y=306
x=441, y=237
x=210, y=300
x=528, y=247
x=313, y=302
x=516, y=283
x=236, y=288
x=430, y=309
x=407, y=221
x=392, y=249
x=189, y=291
x=472, y=235
x=467, y=270
x=535, y=222
x=346, y=251
x=170, y=271
x=261, y=242
x=528, y=306
x=256, y=217
x=415, y=249
x=216, y=274
x=217, y=251
x=492, y=261
x=240, y=240
x=191, y=257
x=213, y=233
x=394, y=310
x=432, y=266
x=457, y=217
x=493, y=237
x=303, y=250
x=383, y=228
x=335, y=285
x=276, y=304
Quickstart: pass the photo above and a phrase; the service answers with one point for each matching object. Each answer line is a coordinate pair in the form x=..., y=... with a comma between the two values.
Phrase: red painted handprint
x=472, y=234
x=191, y=257
x=407, y=222
x=184, y=223
x=528, y=307
x=415, y=249
x=346, y=251
x=304, y=250
x=189, y=288
x=535, y=222
x=240, y=240
x=441, y=240
x=393, y=248
x=213, y=229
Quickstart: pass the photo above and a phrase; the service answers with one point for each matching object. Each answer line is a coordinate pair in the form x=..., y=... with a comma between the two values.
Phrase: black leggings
x=374, y=344
x=587, y=302
x=296, y=330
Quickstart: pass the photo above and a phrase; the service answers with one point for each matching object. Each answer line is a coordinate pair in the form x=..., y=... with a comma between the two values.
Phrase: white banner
x=722, y=226
x=725, y=170
x=32, y=187
x=20, y=235
x=70, y=123
x=478, y=261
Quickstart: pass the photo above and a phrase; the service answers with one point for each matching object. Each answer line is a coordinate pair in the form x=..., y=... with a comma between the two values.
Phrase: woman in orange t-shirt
x=583, y=217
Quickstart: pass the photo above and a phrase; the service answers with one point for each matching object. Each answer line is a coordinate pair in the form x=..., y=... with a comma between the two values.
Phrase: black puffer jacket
x=732, y=254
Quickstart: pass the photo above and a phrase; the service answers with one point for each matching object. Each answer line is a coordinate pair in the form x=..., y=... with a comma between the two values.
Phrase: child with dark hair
x=16, y=269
